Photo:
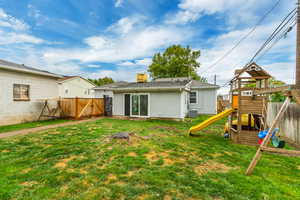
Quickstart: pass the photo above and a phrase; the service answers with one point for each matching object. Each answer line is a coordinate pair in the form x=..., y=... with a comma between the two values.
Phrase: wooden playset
x=246, y=101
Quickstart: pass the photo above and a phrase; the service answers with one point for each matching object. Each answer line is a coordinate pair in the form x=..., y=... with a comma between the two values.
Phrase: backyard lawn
x=160, y=162
x=27, y=125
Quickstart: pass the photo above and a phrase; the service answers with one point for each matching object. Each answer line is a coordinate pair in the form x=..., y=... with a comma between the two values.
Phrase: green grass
x=27, y=125
x=80, y=162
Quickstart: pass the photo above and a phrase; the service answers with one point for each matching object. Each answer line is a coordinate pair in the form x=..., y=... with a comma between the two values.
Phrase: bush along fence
x=290, y=124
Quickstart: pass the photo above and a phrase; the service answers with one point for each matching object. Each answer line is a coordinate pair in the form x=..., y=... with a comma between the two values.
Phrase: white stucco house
x=21, y=90
x=162, y=98
x=75, y=86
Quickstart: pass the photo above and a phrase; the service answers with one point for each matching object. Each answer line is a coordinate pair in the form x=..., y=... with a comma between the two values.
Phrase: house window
x=193, y=97
x=21, y=92
x=66, y=91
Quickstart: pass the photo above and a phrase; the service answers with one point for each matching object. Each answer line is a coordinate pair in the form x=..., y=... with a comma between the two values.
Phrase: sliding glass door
x=139, y=104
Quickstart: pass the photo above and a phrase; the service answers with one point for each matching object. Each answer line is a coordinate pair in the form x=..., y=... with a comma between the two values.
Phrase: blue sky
x=118, y=38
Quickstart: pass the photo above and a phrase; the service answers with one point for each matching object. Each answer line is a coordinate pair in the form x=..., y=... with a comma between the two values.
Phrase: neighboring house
x=22, y=90
x=162, y=98
x=76, y=86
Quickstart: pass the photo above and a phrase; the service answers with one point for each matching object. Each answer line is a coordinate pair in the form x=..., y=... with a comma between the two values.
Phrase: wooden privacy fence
x=290, y=124
x=82, y=107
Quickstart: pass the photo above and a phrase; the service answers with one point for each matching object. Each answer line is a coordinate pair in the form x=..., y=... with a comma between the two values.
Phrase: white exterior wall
x=101, y=93
x=184, y=104
x=77, y=87
x=41, y=87
x=206, y=101
x=119, y=104
x=162, y=104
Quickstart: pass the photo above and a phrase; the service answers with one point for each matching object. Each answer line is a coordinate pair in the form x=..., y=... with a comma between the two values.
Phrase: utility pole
x=298, y=47
x=215, y=77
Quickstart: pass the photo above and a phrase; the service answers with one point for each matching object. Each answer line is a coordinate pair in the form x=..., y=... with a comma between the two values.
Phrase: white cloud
x=125, y=24
x=282, y=70
x=131, y=46
x=14, y=38
x=118, y=3
x=236, y=11
x=137, y=63
x=11, y=22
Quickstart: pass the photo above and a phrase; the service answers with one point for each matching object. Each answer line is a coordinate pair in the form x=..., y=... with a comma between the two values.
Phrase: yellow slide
x=211, y=120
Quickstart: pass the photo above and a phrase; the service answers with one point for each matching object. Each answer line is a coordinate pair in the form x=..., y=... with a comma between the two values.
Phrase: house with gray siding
x=162, y=98
x=22, y=90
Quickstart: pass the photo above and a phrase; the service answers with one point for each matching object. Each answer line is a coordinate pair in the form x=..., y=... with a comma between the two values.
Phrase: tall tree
x=176, y=61
x=102, y=81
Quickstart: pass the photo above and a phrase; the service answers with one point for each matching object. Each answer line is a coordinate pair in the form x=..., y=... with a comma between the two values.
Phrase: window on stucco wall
x=21, y=92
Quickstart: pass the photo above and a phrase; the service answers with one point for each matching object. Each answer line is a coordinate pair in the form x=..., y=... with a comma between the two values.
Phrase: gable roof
x=253, y=69
x=164, y=84
x=68, y=78
x=201, y=85
x=111, y=85
x=23, y=68
x=147, y=86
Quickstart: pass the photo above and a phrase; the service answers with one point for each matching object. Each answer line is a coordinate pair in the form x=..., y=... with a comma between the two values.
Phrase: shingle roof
x=199, y=84
x=111, y=85
x=157, y=84
x=24, y=68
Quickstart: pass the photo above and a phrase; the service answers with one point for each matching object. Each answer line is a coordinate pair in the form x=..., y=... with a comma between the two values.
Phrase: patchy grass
x=81, y=162
x=27, y=125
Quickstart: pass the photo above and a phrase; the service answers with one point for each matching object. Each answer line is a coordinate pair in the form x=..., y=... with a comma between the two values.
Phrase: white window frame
x=196, y=97
x=131, y=115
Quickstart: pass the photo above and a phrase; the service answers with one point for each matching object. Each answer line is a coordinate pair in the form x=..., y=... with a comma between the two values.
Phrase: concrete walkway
x=41, y=128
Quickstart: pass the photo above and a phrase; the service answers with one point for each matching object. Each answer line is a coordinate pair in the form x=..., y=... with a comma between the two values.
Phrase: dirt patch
x=29, y=183
x=153, y=156
x=215, y=155
x=83, y=171
x=64, y=162
x=211, y=166
x=25, y=171
x=168, y=161
x=299, y=167
x=5, y=151
x=132, y=154
x=168, y=128
x=110, y=177
x=130, y=173
x=167, y=197
x=143, y=197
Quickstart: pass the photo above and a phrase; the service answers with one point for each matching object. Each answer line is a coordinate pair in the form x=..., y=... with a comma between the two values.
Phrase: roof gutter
x=31, y=71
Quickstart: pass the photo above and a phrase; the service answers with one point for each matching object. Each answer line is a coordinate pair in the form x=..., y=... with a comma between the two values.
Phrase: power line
x=287, y=30
x=279, y=28
x=243, y=38
x=290, y=17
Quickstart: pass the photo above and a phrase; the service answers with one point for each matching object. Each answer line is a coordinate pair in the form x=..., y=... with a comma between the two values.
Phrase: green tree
x=176, y=61
x=275, y=97
x=102, y=81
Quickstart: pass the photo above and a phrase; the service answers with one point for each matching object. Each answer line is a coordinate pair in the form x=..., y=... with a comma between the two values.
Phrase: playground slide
x=210, y=121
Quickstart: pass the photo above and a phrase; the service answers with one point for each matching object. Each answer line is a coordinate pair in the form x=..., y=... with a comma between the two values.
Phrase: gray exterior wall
x=162, y=104
x=206, y=101
x=13, y=112
x=101, y=93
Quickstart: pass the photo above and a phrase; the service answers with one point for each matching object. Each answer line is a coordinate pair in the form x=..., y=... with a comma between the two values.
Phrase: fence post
x=76, y=107
x=92, y=110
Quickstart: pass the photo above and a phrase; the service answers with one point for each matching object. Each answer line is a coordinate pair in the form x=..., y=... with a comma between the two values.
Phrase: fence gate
x=82, y=107
x=107, y=105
